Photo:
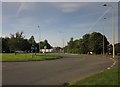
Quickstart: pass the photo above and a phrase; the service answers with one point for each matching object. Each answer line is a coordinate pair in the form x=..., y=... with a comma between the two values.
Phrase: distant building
x=46, y=50
x=57, y=49
x=52, y=50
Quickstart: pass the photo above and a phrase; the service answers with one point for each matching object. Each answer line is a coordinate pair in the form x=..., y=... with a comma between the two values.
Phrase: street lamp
x=62, y=40
x=103, y=40
x=39, y=38
x=113, y=30
x=63, y=44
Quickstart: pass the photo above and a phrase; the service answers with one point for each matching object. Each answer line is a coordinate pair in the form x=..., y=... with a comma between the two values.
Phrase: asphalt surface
x=52, y=72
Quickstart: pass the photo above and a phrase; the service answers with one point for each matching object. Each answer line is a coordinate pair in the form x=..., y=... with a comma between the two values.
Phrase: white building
x=46, y=50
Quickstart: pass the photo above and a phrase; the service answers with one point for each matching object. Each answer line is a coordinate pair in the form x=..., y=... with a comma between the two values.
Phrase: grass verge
x=27, y=57
x=108, y=77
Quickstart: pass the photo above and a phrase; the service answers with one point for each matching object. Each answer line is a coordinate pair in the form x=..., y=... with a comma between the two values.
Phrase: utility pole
x=113, y=30
x=39, y=38
x=62, y=33
x=63, y=43
x=103, y=38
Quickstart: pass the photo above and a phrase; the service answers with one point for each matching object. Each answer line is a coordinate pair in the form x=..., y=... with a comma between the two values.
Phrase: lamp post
x=113, y=30
x=63, y=40
x=39, y=38
x=62, y=33
x=103, y=38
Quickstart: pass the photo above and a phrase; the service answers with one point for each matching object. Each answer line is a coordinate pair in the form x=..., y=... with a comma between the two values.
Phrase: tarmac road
x=52, y=72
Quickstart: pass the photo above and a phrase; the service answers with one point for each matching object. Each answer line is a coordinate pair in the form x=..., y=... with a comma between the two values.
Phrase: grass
x=108, y=77
x=27, y=57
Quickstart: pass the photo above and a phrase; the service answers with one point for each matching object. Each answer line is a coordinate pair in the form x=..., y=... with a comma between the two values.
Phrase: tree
x=16, y=41
x=86, y=43
x=25, y=45
x=0, y=44
x=47, y=44
x=96, y=43
x=32, y=43
x=5, y=45
x=117, y=48
x=76, y=48
x=81, y=44
x=32, y=40
x=106, y=44
x=70, y=45
x=89, y=42
x=43, y=44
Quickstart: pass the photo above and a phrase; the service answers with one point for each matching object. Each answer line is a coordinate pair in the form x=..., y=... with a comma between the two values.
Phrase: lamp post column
x=113, y=30
x=39, y=38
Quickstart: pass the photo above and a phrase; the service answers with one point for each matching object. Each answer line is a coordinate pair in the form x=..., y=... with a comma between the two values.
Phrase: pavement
x=53, y=72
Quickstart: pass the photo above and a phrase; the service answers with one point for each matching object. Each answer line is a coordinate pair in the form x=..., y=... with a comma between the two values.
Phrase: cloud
x=49, y=20
x=81, y=26
x=23, y=23
x=68, y=7
x=25, y=6
x=61, y=0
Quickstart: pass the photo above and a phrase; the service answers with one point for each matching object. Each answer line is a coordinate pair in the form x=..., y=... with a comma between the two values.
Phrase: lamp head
x=105, y=18
x=105, y=5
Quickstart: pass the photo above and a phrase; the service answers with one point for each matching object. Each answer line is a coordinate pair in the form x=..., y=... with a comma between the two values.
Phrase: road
x=53, y=72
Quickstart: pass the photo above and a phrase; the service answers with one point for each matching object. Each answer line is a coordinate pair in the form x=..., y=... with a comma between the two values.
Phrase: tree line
x=18, y=42
x=91, y=43
x=88, y=43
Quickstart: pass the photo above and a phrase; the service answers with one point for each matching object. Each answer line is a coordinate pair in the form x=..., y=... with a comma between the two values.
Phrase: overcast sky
x=58, y=20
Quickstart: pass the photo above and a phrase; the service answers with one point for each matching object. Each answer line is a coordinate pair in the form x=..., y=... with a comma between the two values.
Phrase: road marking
x=114, y=63
x=108, y=68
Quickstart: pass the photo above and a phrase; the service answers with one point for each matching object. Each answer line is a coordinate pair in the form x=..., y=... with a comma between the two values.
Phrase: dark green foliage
x=88, y=43
x=45, y=43
x=73, y=46
x=17, y=42
x=96, y=43
x=117, y=48
x=5, y=45
x=25, y=45
x=32, y=40
x=0, y=45
x=81, y=45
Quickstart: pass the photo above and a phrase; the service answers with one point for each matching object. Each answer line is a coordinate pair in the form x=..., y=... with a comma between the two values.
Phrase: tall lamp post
x=39, y=38
x=63, y=44
x=113, y=30
x=62, y=40
x=103, y=39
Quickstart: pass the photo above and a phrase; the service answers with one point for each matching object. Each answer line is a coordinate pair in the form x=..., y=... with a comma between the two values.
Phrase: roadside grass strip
x=108, y=77
x=27, y=57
